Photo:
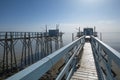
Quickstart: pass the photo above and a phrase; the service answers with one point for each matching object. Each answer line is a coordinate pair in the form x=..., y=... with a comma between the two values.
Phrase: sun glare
x=92, y=2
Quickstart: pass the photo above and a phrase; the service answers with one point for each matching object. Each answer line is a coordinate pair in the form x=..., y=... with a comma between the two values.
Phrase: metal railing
x=107, y=60
x=69, y=52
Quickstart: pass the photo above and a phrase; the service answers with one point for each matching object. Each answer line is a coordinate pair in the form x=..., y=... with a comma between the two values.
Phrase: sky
x=33, y=15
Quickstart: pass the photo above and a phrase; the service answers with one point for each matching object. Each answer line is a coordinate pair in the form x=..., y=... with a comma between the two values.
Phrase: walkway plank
x=87, y=69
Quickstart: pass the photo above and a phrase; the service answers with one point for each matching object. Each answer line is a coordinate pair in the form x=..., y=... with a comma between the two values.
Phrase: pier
x=59, y=39
x=19, y=50
x=86, y=58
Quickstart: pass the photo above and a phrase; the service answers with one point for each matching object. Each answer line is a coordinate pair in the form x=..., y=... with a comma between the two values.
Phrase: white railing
x=38, y=69
x=107, y=60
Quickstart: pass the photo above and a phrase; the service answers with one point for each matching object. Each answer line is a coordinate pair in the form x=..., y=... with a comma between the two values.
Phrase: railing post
x=105, y=57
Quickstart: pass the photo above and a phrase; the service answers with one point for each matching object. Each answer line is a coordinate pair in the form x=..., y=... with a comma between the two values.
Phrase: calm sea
x=110, y=38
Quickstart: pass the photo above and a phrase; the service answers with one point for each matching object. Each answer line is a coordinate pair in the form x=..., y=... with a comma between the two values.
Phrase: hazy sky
x=33, y=15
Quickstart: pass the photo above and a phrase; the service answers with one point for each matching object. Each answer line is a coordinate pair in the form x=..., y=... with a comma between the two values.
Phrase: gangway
x=79, y=60
x=107, y=62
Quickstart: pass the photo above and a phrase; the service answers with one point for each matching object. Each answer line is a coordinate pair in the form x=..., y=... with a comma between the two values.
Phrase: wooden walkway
x=87, y=69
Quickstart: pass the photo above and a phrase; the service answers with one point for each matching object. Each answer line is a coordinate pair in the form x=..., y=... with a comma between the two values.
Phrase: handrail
x=66, y=67
x=38, y=69
x=107, y=60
